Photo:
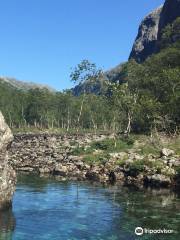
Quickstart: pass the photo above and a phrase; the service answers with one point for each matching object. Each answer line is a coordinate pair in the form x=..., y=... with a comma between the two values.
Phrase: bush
x=136, y=167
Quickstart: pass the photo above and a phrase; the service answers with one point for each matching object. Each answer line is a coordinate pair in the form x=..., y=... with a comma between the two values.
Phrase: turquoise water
x=46, y=209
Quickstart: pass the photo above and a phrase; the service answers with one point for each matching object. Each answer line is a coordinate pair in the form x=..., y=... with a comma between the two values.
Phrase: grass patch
x=96, y=159
x=98, y=152
x=174, y=144
x=136, y=167
x=82, y=151
x=121, y=162
x=110, y=145
x=106, y=146
x=150, y=149
x=139, y=166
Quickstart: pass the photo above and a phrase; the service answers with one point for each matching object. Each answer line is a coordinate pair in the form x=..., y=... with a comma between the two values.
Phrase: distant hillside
x=24, y=86
x=116, y=74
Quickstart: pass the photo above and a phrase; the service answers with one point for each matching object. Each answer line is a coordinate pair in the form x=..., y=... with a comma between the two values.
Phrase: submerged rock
x=7, y=174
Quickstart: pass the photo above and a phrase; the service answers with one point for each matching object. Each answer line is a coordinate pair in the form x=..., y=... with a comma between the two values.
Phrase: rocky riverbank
x=7, y=174
x=53, y=154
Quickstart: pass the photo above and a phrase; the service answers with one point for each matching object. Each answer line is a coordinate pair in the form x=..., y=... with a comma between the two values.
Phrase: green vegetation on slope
x=146, y=98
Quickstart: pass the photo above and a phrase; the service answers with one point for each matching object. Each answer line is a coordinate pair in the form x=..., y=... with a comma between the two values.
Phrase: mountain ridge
x=23, y=85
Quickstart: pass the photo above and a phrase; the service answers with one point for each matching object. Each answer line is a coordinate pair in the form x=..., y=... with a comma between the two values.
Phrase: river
x=47, y=209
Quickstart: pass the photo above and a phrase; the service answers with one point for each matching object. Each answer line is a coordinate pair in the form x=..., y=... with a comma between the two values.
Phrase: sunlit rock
x=7, y=174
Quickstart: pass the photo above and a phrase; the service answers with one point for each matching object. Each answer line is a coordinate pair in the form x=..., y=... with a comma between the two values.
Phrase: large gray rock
x=146, y=39
x=7, y=174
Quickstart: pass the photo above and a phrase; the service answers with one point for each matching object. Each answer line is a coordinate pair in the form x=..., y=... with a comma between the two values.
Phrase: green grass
x=111, y=145
x=81, y=151
x=174, y=144
x=106, y=146
x=98, y=152
x=136, y=167
x=150, y=149
x=96, y=159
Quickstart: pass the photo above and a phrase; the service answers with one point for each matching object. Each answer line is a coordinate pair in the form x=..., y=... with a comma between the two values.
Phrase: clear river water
x=47, y=209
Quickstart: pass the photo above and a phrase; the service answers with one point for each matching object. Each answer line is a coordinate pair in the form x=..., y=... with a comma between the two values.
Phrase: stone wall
x=7, y=174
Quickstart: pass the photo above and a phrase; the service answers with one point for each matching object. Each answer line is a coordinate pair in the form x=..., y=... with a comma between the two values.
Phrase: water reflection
x=7, y=224
x=151, y=209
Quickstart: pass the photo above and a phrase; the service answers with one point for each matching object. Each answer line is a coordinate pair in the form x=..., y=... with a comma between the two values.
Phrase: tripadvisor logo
x=140, y=231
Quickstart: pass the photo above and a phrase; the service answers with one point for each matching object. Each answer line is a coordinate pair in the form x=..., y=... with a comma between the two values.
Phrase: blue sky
x=41, y=40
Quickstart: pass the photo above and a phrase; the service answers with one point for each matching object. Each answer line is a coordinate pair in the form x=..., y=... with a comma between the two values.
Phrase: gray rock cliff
x=146, y=39
x=150, y=30
x=7, y=174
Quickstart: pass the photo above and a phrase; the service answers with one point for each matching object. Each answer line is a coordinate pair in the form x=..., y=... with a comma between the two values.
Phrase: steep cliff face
x=7, y=174
x=150, y=30
x=145, y=42
x=170, y=11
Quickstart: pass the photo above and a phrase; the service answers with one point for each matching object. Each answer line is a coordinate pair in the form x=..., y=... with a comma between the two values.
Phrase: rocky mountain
x=24, y=86
x=170, y=11
x=150, y=30
x=146, y=39
x=96, y=87
x=147, y=42
x=115, y=73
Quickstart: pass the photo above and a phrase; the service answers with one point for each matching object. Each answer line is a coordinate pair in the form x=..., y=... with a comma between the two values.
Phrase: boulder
x=167, y=152
x=93, y=175
x=61, y=170
x=7, y=174
x=158, y=180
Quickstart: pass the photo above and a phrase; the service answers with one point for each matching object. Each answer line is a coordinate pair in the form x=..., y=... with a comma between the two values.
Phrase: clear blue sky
x=41, y=40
